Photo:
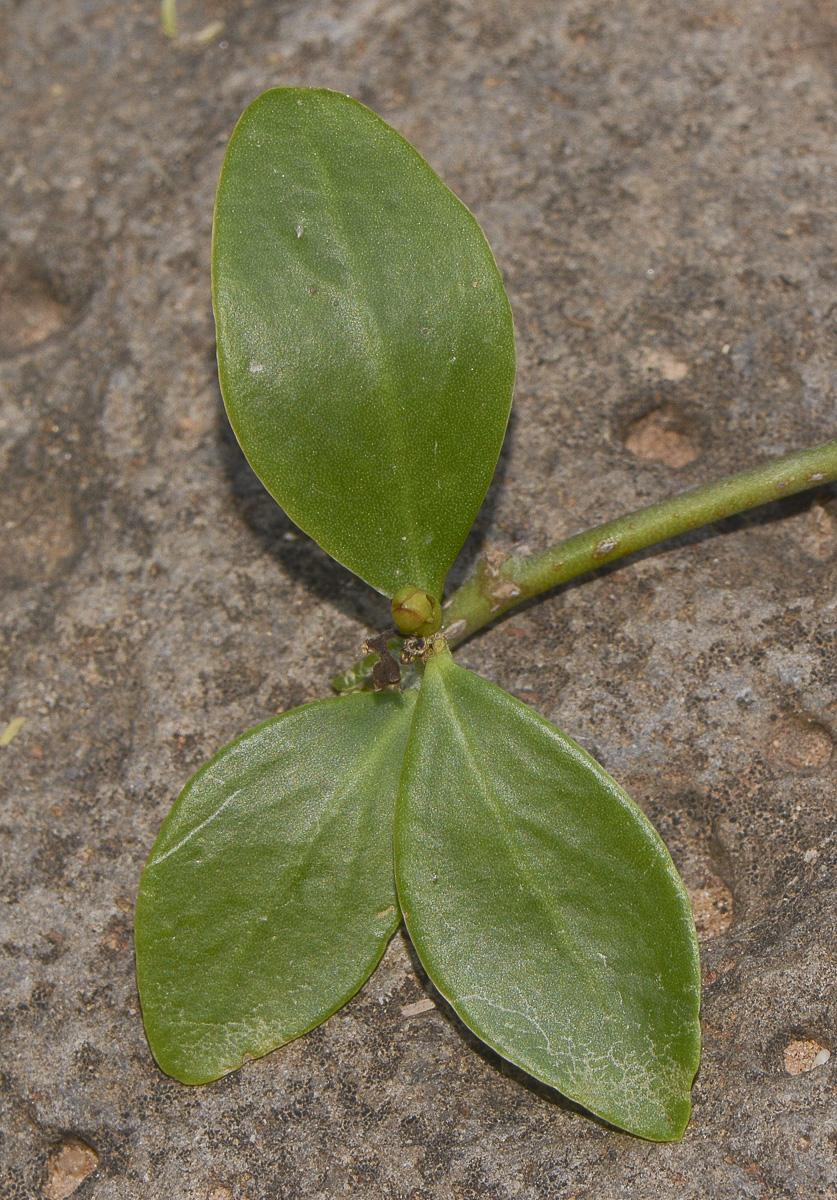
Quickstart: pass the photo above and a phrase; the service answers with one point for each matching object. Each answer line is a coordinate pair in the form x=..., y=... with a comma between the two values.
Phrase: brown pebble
x=68, y=1167
x=803, y=1055
x=801, y=744
x=664, y=435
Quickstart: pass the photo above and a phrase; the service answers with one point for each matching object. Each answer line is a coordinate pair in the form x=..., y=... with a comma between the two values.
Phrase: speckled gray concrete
x=659, y=183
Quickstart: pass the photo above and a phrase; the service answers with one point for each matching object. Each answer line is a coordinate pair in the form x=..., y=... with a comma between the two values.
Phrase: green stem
x=500, y=584
x=168, y=17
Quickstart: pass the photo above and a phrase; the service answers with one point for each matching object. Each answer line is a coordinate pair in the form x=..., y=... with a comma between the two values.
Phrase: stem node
x=502, y=581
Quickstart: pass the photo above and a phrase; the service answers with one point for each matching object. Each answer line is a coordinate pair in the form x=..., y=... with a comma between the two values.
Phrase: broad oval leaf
x=269, y=896
x=545, y=907
x=365, y=341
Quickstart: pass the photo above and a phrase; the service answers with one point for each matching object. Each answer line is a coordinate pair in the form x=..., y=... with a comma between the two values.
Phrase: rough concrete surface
x=658, y=182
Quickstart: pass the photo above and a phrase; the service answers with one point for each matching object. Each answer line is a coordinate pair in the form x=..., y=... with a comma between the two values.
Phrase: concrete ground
x=659, y=185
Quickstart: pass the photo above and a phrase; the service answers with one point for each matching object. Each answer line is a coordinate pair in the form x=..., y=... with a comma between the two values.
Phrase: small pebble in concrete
x=68, y=1167
x=664, y=435
x=662, y=363
x=801, y=744
x=804, y=1055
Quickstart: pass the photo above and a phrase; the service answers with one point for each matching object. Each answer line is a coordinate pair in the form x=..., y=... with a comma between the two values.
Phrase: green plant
x=366, y=355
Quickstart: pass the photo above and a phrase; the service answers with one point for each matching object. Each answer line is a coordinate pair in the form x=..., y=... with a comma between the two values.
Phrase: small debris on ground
x=209, y=33
x=712, y=906
x=11, y=731
x=420, y=1006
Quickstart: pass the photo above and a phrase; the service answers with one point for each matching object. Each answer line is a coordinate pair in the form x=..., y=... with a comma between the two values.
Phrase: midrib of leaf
x=374, y=340
x=155, y=862
x=578, y=960
x=229, y=792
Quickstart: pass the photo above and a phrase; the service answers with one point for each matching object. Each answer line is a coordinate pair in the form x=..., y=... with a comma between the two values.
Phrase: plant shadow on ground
x=305, y=561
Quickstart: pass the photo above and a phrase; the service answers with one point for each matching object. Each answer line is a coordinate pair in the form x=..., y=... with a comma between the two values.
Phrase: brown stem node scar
x=496, y=588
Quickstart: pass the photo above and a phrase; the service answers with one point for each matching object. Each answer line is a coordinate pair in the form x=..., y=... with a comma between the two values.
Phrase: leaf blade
x=544, y=906
x=269, y=896
x=365, y=340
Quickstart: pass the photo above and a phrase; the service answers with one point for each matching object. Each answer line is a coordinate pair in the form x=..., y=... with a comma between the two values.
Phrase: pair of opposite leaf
x=366, y=355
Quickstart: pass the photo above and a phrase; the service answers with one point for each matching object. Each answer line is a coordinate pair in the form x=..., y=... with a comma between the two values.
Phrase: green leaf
x=365, y=341
x=544, y=906
x=269, y=896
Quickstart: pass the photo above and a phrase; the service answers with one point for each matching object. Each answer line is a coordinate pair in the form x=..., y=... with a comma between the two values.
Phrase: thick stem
x=501, y=583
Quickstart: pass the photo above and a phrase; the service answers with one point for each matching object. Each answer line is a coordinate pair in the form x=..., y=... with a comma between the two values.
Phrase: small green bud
x=415, y=613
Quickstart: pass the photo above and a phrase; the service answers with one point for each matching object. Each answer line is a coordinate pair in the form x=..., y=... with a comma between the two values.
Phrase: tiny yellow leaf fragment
x=11, y=731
